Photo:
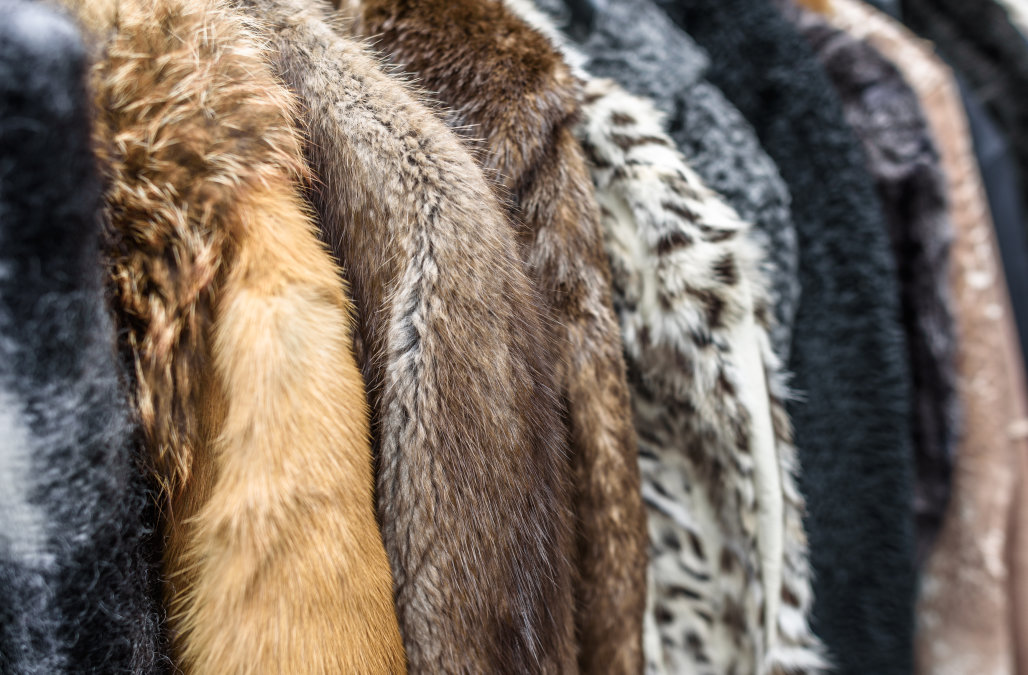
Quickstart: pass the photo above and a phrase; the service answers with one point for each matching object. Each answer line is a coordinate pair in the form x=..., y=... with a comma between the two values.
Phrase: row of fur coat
x=729, y=587
x=235, y=321
x=969, y=585
x=849, y=356
x=444, y=475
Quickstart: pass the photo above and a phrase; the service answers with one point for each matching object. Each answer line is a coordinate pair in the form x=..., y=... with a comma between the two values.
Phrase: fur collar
x=508, y=89
x=471, y=475
x=236, y=319
x=77, y=586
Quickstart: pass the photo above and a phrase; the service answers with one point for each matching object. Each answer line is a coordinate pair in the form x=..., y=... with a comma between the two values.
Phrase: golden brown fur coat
x=471, y=456
x=237, y=321
x=508, y=86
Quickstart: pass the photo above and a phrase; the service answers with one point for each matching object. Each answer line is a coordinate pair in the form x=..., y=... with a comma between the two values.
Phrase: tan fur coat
x=471, y=469
x=507, y=86
x=237, y=322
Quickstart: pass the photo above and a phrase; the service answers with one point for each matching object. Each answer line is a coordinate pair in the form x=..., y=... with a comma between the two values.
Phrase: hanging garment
x=965, y=614
x=507, y=86
x=472, y=476
x=78, y=584
x=636, y=44
x=964, y=610
x=901, y=157
x=727, y=546
x=726, y=528
x=852, y=412
x=981, y=43
x=999, y=173
x=251, y=402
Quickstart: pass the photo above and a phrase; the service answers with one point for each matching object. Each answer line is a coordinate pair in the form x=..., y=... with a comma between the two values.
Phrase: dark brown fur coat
x=471, y=454
x=507, y=86
x=237, y=322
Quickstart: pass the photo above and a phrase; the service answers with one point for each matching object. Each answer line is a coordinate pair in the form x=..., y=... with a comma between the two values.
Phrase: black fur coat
x=76, y=586
x=852, y=379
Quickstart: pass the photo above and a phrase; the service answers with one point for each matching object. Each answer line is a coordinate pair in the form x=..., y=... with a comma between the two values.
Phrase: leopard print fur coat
x=729, y=587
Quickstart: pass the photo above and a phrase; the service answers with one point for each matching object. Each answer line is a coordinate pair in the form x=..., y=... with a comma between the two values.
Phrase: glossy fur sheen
x=78, y=587
x=238, y=323
x=507, y=86
x=471, y=457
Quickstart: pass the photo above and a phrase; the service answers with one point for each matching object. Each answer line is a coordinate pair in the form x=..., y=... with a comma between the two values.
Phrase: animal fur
x=238, y=324
x=901, y=157
x=471, y=459
x=635, y=43
x=505, y=84
x=849, y=358
x=694, y=310
x=78, y=589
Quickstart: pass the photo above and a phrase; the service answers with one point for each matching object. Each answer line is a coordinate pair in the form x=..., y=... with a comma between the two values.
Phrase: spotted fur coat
x=729, y=577
x=237, y=322
x=510, y=92
x=471, y=472
x=728, y=550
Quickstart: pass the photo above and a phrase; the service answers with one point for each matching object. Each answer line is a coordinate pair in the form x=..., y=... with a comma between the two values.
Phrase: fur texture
x=78, y=590
x=635, y=43
x=851, y=413
x=969, y=588
x=689, y=295
x=507, y=86
x=237, y=321
x=692, y=303
x=472, y=469
x=991, y=54
x=901, y=156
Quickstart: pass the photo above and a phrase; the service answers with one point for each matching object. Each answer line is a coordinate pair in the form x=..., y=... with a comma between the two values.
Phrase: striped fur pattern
x=472, y=474
x=237, y=321
x=686, y=279
x=511, y=94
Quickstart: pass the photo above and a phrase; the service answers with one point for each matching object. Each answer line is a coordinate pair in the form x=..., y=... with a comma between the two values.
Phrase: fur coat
x=901, y=157
x=635, y=43
x=237, y=322
x=991, y=54
x=505, y=85
x=973, y=582
x=78, y=589
x=715, y=445
x=472, y=478
x=851, y=413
